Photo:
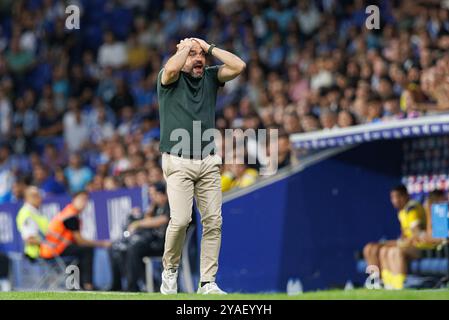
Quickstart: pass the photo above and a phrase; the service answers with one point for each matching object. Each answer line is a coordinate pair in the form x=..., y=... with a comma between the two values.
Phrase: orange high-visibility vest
x=58, y=237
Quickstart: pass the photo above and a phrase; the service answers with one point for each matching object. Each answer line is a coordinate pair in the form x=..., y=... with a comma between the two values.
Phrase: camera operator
x=143, y=237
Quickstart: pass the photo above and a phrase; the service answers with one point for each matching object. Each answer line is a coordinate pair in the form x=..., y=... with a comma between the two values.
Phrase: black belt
x=191, y=157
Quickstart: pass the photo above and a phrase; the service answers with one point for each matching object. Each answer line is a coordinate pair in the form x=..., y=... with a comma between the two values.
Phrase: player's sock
x=386, y=277
x=398, y=280
x=202, y=284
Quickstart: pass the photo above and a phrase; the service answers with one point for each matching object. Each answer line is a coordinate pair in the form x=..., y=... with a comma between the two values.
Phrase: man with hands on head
x=190, y=58
x=187, y=92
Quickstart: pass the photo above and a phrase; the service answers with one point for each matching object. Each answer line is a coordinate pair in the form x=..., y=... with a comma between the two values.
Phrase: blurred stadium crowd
x=78, y=108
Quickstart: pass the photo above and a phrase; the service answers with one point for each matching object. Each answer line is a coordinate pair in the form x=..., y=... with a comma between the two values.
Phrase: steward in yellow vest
x=31, y=224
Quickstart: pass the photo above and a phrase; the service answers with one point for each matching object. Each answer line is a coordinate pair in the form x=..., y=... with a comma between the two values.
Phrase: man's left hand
x=203, y=44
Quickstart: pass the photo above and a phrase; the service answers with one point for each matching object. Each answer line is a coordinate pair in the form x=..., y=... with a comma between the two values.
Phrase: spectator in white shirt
x=76, y=128
x=121, y=162
x=328, y=119
x=101, y=128
x=5, y=115
x=308, y=17
x=112, y=53
x=7, y=177
x=191, y=17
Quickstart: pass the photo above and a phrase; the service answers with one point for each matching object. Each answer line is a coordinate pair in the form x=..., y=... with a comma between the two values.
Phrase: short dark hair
x=160, y=187
x=282, y=133
x=401, y=189
x=374, y=98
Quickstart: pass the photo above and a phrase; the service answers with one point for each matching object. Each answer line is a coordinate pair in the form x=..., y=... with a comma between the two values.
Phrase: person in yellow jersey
x=31, y=224
x=237, y=176
x=245, y=176
x=394, y=258
x=227, y=178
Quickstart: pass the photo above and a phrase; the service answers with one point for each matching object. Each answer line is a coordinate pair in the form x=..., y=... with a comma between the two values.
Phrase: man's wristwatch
x=211, y=47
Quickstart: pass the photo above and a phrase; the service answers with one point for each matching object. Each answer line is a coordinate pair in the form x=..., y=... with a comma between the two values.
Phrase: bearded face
x=195, y=62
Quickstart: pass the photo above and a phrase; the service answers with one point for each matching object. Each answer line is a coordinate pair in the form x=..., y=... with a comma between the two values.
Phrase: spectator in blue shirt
x=150, y=128
x=6, y=174
x=77, y=175
x=46, y=182
x=145, y=94
x=279, y=14
x=26, y=117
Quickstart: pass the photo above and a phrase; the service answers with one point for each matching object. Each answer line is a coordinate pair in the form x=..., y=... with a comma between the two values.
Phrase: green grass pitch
x=358, y=294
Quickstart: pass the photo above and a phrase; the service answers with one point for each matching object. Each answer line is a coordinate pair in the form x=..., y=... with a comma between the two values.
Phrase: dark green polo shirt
x=181, y=103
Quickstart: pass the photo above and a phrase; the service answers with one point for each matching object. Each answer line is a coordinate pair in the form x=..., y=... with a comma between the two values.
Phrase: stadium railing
x=433, y=125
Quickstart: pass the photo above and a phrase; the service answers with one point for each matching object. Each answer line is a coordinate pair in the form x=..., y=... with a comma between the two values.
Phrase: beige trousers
x=187, y=178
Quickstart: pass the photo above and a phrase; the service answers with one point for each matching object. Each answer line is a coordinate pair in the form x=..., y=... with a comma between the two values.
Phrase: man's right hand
x=105, y=244
x=176, y=62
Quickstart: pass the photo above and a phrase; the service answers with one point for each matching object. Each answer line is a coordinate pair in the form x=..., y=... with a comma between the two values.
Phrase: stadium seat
x=94, y=11
x=149, y=271
x=54, y=273
x=34, y=4
x=361, y=266
x=40, y=274
x=40, y=76
x=419, y=282
x=93, y=37
x=122, y=29
x=414, y=266
x=5, y=273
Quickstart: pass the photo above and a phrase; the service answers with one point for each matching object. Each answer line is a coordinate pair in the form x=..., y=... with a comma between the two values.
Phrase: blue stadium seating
x=93, y=37
x=34, y=4
x=40, y=76
x=121, y=30
x=426, y=266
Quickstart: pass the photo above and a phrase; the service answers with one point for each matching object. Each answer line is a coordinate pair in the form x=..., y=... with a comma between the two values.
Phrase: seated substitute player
x=401, y=201
x=394, y=258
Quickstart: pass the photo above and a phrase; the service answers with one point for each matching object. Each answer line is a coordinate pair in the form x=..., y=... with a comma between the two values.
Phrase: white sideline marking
x=90, y=292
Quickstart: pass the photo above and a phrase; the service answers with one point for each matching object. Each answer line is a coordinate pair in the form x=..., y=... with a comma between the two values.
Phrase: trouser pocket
x=166, y=164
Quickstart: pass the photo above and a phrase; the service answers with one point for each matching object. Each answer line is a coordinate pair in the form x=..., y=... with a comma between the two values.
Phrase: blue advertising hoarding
x=104, y=217
x=440, y=221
